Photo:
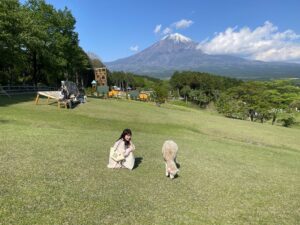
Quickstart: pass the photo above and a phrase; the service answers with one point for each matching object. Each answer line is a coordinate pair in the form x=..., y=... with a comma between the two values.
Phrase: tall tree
x=10, y=40
x=38, y=42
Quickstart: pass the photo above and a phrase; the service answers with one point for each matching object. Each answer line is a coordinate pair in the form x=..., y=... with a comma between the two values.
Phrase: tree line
x=126, y=80
x=38, y=44
x=200, y=88
x=276, y=100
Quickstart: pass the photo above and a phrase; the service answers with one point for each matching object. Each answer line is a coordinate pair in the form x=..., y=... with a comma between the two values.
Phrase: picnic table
x=53, y=95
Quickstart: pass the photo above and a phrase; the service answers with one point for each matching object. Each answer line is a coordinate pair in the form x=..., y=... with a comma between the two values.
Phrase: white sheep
x=169, y=151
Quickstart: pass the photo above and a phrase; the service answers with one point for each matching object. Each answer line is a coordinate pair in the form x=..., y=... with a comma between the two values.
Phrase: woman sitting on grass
x=124, y=146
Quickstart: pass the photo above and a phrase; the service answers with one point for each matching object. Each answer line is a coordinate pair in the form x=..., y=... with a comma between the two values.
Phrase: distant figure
x=125, y=146
x=63, y=93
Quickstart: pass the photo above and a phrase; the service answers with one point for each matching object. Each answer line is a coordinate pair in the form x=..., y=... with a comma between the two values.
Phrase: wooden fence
x=19, y=90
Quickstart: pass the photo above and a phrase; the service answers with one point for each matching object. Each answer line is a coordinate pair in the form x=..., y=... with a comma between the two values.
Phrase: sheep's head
x=173, y=172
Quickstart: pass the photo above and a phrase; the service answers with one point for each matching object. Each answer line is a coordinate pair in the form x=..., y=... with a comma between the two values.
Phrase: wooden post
x=48, y=101
x=37, y=99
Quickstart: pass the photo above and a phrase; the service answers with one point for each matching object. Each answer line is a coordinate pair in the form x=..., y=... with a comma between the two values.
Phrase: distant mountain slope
x=177, y=52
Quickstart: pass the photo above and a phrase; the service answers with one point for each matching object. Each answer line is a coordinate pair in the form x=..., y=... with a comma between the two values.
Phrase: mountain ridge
x=176, y=52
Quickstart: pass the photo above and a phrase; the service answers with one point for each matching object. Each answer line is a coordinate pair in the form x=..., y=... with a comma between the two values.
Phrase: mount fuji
x=176, y=52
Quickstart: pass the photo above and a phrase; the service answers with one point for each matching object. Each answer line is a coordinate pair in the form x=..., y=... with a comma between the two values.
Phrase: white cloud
x=134, y=48
x=157, y=28
x=262, y=43
x=167, y=30
x=183, y=24
x=287, y=52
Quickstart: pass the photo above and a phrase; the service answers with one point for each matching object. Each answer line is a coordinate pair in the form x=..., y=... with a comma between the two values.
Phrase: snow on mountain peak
x=176, y=37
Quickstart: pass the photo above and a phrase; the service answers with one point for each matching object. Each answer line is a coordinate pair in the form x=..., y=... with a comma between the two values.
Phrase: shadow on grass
x=4, y=121
x=15, y=99
x=137, y=162
x=96, y=97
x=178, y=166
x=69, y=106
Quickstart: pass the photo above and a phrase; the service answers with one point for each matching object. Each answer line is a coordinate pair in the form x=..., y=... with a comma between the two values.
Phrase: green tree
x=204, y=87
x=185, y=92
x=11, y=60
x=38, y=43
x=231, y=107
x=161, y=92
x=266, y=99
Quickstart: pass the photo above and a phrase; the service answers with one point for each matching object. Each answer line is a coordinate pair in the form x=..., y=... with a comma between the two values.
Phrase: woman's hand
x=130, y=149
x=132, y=146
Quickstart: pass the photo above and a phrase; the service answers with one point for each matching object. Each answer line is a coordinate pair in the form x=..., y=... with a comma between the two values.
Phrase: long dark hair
x=124, y=133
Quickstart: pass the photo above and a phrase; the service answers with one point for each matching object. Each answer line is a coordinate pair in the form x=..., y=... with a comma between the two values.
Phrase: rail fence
x=18, y=90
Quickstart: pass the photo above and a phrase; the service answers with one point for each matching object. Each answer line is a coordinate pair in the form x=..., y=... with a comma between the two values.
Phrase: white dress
x=128, y=162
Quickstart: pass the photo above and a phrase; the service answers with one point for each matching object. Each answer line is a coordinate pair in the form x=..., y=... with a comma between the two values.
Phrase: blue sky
x=260, y=29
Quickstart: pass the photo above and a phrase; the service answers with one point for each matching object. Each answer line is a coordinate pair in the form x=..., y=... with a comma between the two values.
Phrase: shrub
x=287, y=120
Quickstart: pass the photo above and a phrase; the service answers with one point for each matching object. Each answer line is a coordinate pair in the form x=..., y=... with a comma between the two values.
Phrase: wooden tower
x=101, y=76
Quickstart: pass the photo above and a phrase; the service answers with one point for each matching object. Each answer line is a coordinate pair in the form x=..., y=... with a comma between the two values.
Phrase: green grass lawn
x=53, y=166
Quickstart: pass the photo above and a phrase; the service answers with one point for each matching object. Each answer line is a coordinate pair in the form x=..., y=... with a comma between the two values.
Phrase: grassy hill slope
x=53, y=166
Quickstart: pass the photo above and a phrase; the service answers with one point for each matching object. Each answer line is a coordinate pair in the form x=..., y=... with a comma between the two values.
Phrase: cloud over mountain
x=264, y=43
x=183, y=24
x=157, y=28
x=134, y=48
